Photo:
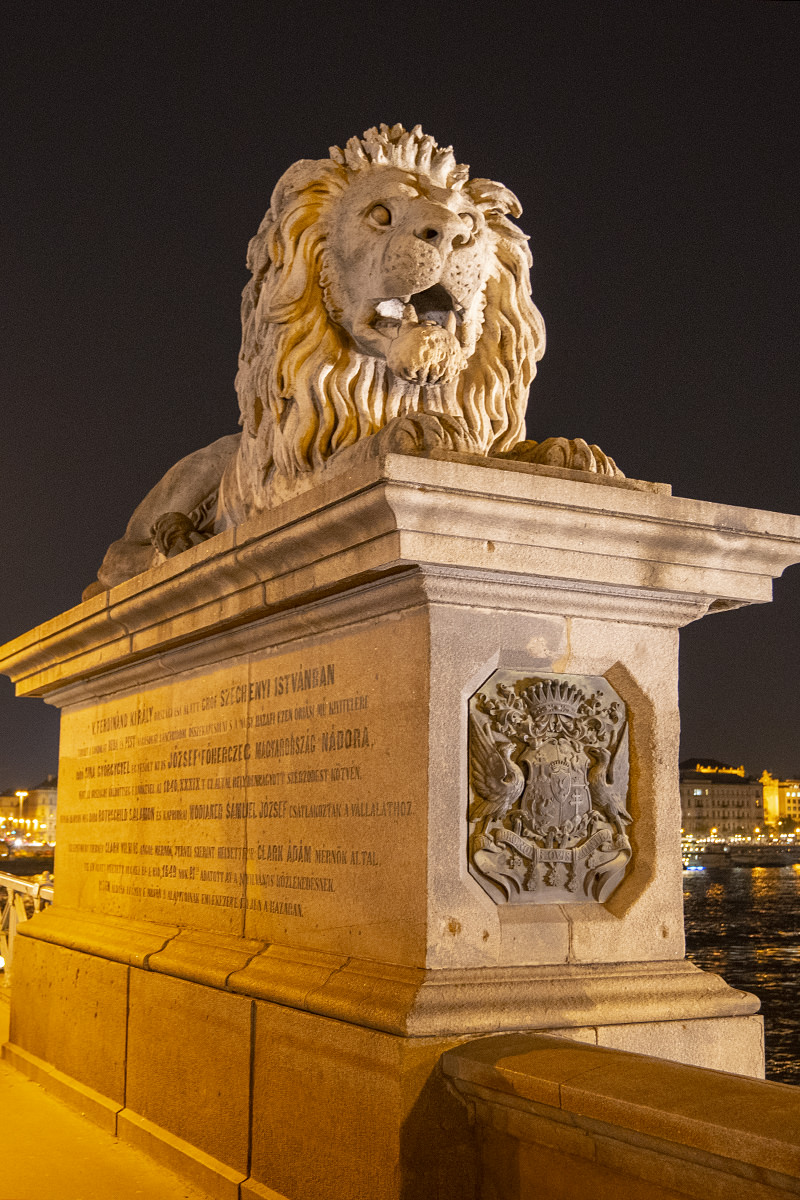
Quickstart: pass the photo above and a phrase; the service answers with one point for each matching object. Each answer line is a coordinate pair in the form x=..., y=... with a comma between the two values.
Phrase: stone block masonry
x=268, y=817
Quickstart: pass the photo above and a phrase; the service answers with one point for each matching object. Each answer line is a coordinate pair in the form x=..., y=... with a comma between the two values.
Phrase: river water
x=744, y=923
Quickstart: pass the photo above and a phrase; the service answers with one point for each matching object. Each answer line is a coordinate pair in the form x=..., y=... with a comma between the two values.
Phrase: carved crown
x=548, y=698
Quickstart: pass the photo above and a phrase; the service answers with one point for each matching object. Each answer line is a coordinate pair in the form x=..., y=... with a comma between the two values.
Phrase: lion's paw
x=420, y=433
x=173, y=533
x=573, y=453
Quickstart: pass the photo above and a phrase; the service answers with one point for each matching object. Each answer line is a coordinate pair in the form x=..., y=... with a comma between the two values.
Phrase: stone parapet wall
x=557, y=1120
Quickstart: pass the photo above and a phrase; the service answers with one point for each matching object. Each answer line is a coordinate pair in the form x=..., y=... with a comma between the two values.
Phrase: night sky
x=654, y=149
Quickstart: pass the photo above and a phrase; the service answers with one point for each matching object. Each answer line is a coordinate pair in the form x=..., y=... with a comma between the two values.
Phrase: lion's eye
x=469, y=219
x=380, y=215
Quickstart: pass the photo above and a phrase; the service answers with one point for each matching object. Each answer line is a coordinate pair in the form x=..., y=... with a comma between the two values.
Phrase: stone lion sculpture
x=390, y=301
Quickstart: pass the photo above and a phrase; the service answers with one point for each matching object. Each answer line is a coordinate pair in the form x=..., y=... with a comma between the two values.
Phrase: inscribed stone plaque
x=549, y=771
x=280, y=797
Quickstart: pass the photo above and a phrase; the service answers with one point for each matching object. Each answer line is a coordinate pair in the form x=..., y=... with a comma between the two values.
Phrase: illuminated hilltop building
x=716, y=796
x=781, y=799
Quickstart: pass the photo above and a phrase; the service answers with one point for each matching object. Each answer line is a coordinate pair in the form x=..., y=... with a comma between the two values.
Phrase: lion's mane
x=305, y=391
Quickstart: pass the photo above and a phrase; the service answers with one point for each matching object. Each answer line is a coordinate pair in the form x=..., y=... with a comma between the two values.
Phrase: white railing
x=22, y=901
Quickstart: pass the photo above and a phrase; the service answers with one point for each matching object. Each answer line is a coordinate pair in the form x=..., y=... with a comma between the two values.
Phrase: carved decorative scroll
x=549, y=771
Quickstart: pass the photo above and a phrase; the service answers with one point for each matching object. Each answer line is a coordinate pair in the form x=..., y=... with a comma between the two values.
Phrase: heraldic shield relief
x=548, y=815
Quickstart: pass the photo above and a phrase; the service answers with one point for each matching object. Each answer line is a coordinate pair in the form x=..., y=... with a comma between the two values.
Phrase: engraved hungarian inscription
x=548, y=806
x=263, y=798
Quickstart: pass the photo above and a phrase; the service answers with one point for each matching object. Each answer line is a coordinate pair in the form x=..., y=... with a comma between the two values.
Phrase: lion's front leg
x=573, y=453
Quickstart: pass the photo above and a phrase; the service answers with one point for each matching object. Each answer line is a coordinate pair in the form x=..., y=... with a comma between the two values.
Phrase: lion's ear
x=307, y=174
x=493, y=197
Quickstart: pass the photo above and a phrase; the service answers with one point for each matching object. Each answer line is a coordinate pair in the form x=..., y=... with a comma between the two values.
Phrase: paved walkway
x=50, y=1152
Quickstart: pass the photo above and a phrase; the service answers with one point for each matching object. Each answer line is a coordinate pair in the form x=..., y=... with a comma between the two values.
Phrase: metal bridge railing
x=21, y=901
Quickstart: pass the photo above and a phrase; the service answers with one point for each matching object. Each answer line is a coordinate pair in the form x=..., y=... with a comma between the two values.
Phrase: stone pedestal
x=266, y=929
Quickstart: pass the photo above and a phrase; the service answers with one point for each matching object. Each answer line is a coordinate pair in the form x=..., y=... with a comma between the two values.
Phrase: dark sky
x=654, y=148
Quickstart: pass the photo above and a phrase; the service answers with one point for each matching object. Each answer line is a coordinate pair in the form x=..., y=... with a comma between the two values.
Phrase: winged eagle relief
x=549, y=770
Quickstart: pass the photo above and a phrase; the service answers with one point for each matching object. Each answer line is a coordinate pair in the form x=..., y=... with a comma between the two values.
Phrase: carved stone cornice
x=535, y=537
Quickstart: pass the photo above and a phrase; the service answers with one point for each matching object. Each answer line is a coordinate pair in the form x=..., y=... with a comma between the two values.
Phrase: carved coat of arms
x=548, y=816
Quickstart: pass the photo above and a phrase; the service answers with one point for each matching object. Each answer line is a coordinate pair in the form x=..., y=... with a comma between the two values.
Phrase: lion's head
x=384, y=282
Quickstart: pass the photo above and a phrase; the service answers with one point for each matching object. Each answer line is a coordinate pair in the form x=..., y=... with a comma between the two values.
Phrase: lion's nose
x=442, y=230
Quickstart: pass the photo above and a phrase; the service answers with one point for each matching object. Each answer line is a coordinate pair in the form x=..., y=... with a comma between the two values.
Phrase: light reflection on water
x=744, y=923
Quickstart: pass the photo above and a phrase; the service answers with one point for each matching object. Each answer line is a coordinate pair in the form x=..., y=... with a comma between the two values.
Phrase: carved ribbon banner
x=549, y=771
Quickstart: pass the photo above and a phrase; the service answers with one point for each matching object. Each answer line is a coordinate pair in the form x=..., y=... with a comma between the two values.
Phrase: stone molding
x=405, y=1001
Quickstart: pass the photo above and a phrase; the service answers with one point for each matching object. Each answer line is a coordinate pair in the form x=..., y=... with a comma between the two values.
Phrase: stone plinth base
x=232, y=1090
x=292, y=869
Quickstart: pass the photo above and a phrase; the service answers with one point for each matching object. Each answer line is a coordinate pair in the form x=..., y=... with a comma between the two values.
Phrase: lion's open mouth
x=434, y=305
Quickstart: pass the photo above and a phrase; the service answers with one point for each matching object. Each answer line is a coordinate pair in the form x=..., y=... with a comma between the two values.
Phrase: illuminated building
x=716, y=796
x=10, y=808
x=781, y=799
x=33, y=811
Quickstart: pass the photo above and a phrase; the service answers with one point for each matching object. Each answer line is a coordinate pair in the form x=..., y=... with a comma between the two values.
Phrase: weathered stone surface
x=626, y=1001
x=390, y=1127
x=208, y=958
x=70, y=1010
x=188, y=1064
x=559, y=1119
x=718, y=1044
x=217, y=1180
